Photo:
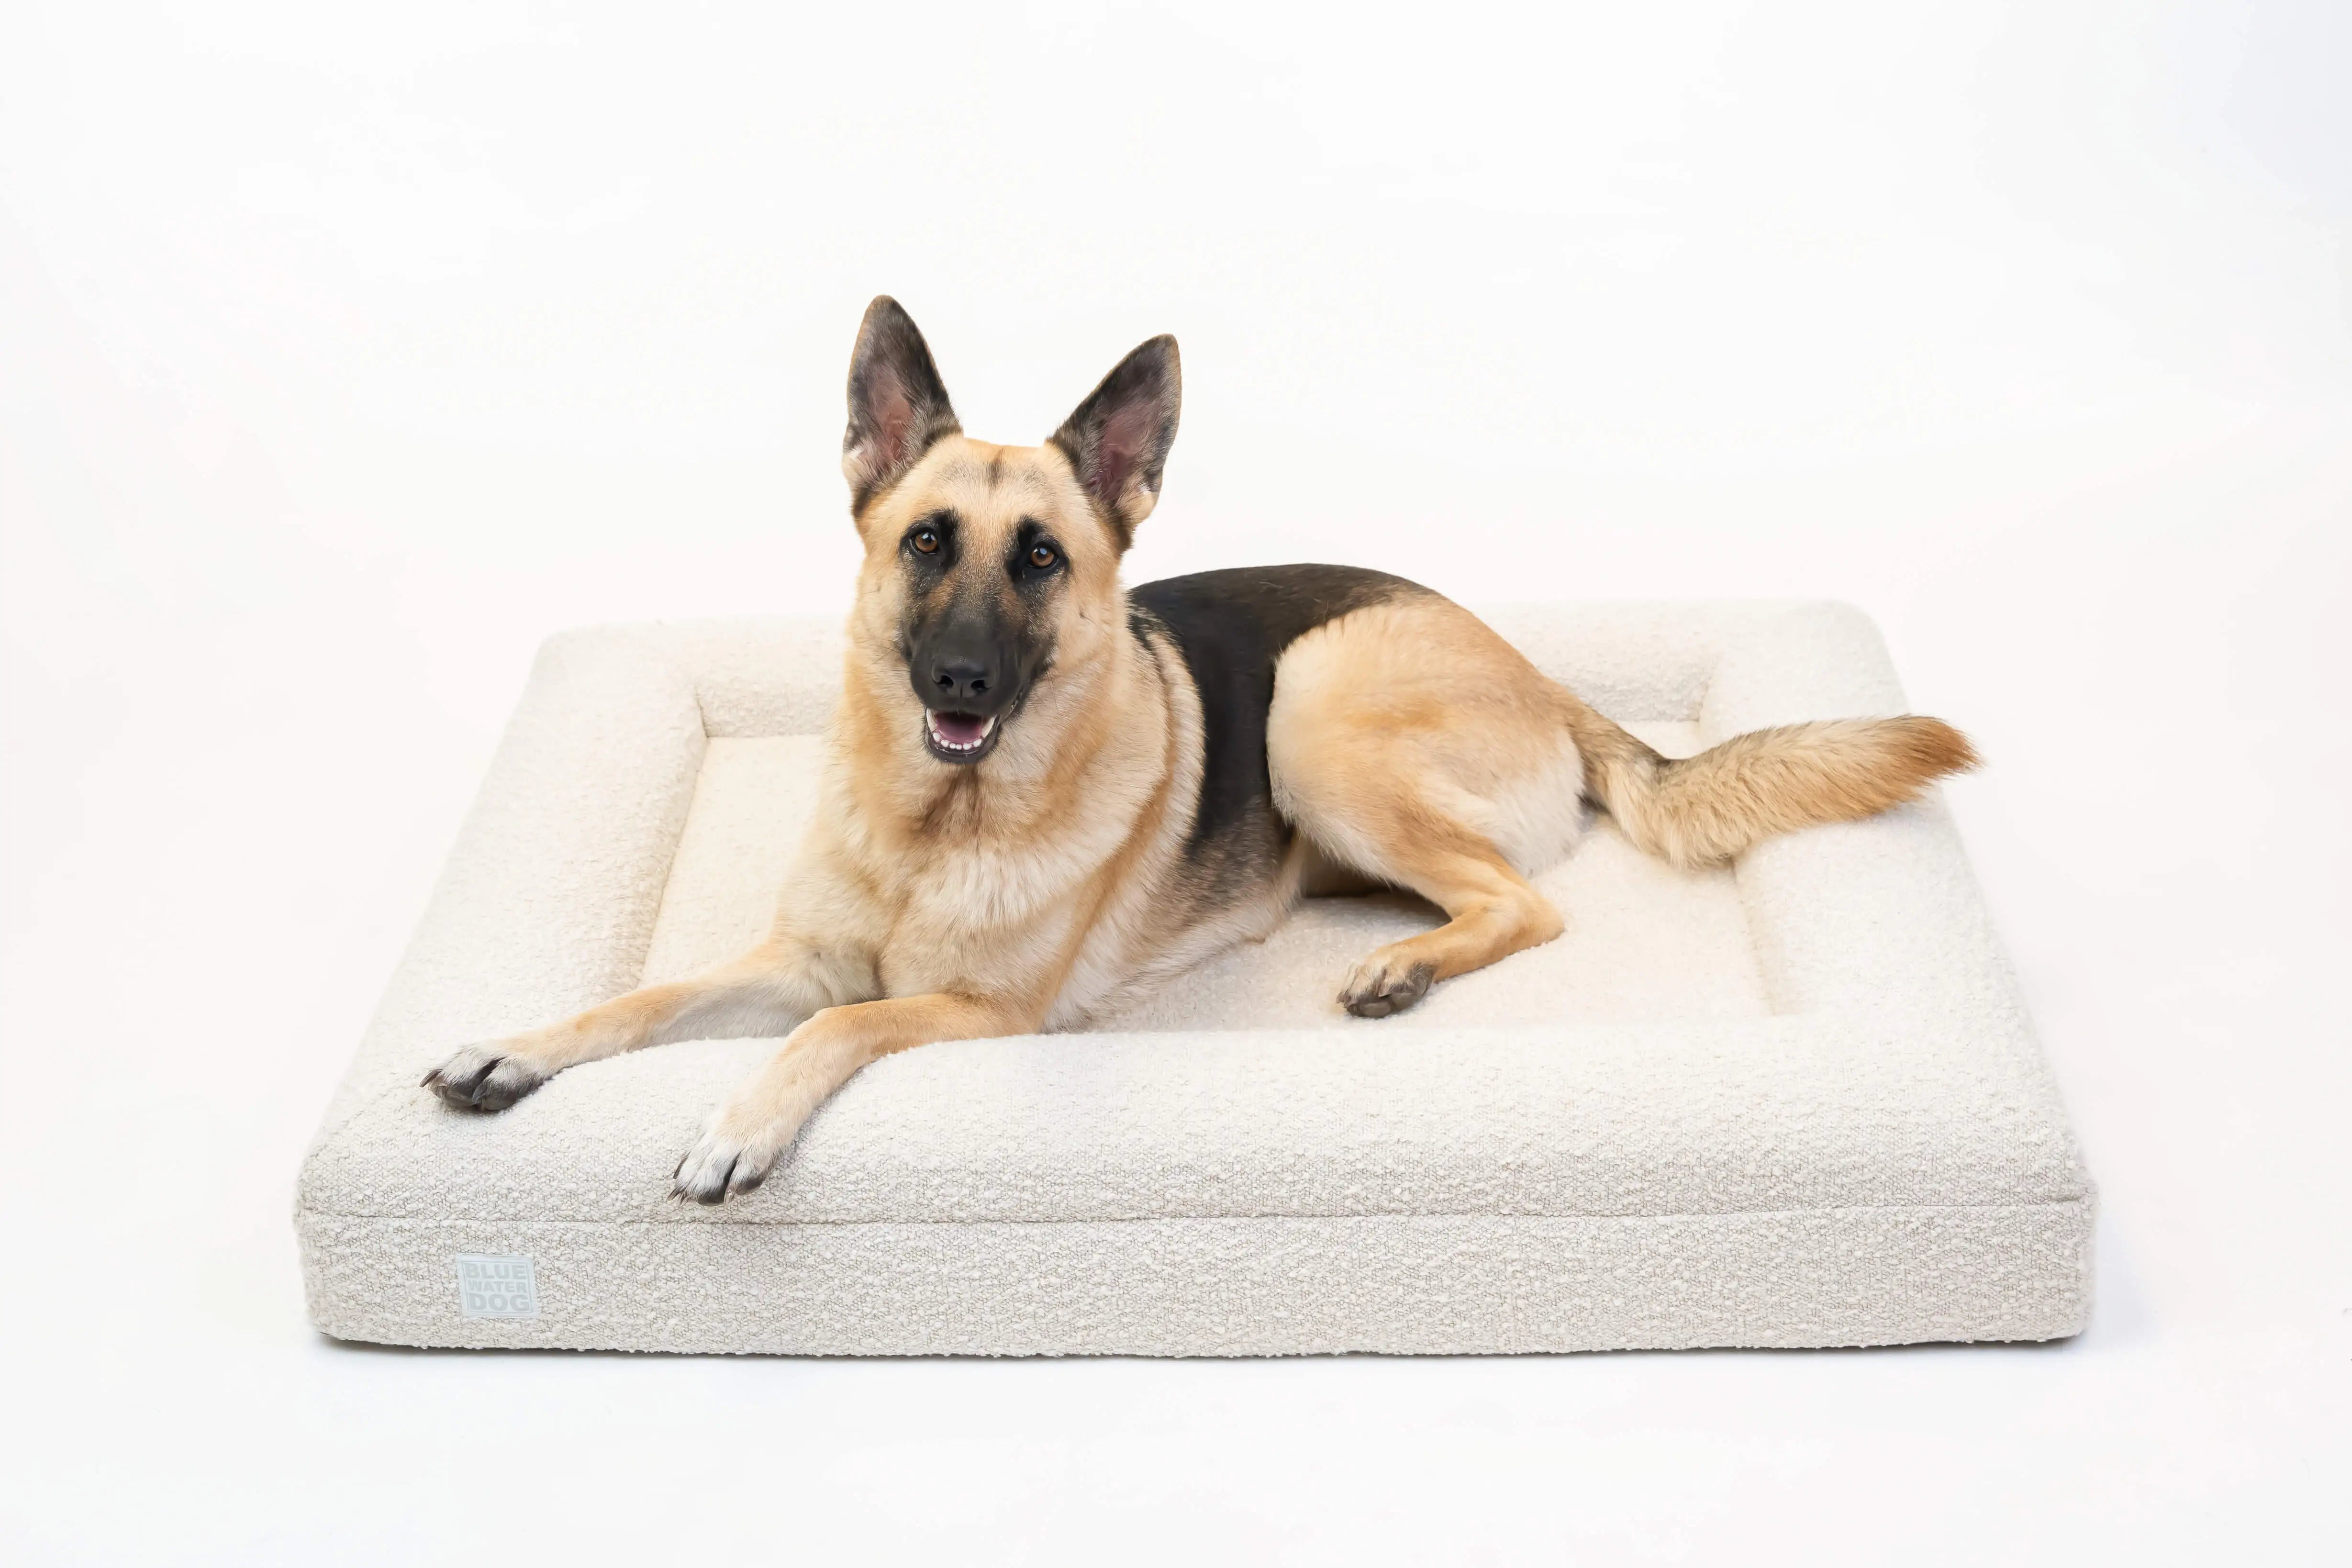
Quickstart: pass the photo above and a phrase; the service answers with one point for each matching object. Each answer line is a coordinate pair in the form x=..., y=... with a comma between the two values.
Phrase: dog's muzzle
x=967, y=687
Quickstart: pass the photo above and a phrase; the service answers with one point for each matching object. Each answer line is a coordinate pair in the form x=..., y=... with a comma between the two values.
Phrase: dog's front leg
x=768, y=990
x=748, y=1134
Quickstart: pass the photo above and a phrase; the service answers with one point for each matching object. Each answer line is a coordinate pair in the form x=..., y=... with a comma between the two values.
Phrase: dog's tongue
x=959, y=729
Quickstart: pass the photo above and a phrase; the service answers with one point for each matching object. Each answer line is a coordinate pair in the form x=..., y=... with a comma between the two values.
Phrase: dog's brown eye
x=927, y=540
x=1042, y=557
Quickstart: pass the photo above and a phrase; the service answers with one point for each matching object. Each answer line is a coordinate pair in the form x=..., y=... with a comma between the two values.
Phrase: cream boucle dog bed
x=1794, y=1104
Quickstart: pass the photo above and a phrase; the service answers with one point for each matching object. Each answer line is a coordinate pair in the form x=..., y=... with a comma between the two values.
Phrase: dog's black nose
x=962, y=680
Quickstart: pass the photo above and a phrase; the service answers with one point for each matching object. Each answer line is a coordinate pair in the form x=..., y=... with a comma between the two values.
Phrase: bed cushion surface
x=1794, y=1103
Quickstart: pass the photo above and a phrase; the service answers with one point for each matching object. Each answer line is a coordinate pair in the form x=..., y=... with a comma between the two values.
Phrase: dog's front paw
x=728, y=1158
x=483, y=1078
x=1384, y=984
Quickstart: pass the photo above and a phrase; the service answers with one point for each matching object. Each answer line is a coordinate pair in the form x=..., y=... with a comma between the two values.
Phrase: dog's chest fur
x=996, y=879
x=1085, y=884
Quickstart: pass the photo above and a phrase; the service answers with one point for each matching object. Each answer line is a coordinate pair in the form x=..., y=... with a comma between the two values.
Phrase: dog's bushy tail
x=1702, y=810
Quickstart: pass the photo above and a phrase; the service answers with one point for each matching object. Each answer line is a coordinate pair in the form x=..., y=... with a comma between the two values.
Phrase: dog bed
x=1793, y=1103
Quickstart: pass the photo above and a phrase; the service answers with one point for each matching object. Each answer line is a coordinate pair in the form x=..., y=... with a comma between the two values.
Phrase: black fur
x=1231, y=628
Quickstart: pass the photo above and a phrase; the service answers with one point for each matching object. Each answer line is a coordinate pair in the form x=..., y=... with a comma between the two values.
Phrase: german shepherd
x=1046, y=793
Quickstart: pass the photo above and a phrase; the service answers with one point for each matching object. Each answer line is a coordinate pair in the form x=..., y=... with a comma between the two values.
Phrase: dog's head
x=992, y=573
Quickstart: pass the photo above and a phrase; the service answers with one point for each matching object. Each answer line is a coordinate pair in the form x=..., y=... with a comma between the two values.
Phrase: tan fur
x=743, y=1140
x=1702, y=810
x=1407, y=745
x=1410, y=743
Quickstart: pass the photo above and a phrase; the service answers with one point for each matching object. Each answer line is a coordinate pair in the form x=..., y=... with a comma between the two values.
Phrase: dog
x=1045, y=792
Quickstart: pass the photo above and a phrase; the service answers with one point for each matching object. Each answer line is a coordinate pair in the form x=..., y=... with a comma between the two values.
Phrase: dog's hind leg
x=1492, y=912
x=1409, y=741
x=767, y=992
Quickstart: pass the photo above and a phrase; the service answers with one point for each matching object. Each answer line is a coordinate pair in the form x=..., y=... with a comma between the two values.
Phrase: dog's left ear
x=1119, y=438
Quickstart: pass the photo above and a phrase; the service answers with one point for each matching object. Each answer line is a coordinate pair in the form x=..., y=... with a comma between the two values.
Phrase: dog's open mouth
x=959, y=736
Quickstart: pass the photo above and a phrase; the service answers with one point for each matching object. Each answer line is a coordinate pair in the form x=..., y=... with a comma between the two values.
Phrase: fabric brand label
x=492, y=1287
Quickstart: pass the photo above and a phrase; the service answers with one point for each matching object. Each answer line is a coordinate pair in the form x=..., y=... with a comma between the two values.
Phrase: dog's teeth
x=987, y=728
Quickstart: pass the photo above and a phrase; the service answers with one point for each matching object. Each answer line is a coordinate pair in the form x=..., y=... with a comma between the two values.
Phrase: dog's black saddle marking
x=1230, y=627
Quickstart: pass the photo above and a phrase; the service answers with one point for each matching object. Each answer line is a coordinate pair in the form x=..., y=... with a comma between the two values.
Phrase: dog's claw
x=718, y=1193
x=1374, y=991
x=722, y=1166
x=479, y=1078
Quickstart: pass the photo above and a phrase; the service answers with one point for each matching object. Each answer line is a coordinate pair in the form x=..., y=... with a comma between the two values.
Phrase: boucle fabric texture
x=1793, y=1103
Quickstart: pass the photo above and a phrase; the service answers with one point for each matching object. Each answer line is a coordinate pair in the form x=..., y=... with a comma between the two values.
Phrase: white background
x=345, y=352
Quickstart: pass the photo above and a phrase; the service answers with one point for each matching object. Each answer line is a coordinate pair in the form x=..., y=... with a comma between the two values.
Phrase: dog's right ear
x=897, y=404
